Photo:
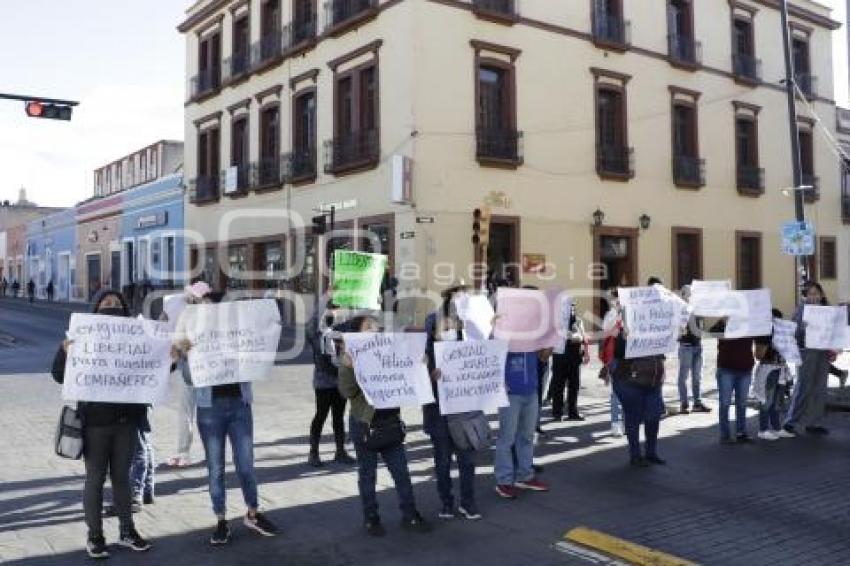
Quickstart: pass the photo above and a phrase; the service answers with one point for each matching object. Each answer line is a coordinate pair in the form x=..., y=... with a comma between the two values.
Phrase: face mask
x=111, y=311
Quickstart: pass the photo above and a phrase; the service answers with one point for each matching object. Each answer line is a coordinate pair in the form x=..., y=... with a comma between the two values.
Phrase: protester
x=49, y=290
x=612, y=324
x=224, y=411
x=325, y=385
x=690, y=362
x=3, y=285
x=445, y=326
x=366, y=423
x=808, y=402
x=566, y=370
x=735, y=362
x=770, y=375
x=637, y=383
x=31, y=290
x=108, y=446
x=16, y=288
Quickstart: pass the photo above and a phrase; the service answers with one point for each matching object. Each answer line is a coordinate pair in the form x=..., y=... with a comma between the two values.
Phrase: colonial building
x=13, y=219
x=158, y=160
x=611, y=139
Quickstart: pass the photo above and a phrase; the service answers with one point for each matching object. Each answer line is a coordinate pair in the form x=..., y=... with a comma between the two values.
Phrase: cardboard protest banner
x=753, y=317
x=826, y=327
x=784, y=341
x=357, y=279
x=525, y=318
x=652, y=320
x=390, y=368
x=476, y=313
x=231, y=342
x=472, y=375
x=712, y=298
x=115, y=359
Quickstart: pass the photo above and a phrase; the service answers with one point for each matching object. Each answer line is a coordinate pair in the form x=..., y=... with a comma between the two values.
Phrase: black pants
x=566, y=371
x=328, y=400
x=108, y=448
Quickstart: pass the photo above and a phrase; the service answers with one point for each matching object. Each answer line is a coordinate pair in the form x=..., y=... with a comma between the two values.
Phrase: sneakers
x=259, y=523
x=221, y=535
x=616, y=430
x=785, y=433
x=507, y=491
x=96, y=548
x=469, y=512
x=532, y=484
x=374, y=528
x=700, y=408
x=416, y=523
x=768, y=435
x=133, y=540
x=343, y=457
x=447, y=512
x=314, y=461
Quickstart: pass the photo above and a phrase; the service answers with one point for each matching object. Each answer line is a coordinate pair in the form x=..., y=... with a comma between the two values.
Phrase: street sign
x=798, y=238
x=408, y=235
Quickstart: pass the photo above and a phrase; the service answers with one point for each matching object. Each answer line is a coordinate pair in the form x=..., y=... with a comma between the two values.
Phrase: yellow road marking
x=623, y=549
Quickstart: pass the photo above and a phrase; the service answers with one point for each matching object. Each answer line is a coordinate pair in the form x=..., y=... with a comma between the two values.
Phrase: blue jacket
x=522, y=373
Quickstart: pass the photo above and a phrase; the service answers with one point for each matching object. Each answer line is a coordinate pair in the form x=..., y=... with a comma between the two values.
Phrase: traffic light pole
x=791, y=95
x=25, y=98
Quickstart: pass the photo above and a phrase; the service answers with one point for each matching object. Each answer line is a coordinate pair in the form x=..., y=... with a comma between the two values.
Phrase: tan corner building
x=612, y=139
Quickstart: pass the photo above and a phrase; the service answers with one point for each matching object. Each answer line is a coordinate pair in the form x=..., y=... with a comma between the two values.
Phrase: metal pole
x=26, y=98
x=796, y=166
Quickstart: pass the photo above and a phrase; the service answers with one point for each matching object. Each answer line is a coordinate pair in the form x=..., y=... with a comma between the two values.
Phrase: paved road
x=782, y=503
x=29, y=335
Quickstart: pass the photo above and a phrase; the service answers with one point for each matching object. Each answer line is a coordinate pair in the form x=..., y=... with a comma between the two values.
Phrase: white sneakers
x=768, y=435
x=782, y=433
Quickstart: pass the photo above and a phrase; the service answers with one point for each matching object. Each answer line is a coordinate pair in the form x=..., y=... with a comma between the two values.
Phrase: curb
x=622, y=549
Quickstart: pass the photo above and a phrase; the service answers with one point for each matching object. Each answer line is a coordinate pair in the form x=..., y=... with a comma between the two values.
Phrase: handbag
x=644, y=372
x=69, y=434
x=470, y=431
x=385, y=433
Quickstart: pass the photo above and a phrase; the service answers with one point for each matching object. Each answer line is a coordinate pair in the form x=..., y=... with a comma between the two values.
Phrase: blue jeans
x=516, y=430
x=142, y=478
x=738, y=382
x=690, y=362
x=228, y=418
x=395, y=459
x=436, y=427
x=768, y=411
x=640, y=405
x=616, y=408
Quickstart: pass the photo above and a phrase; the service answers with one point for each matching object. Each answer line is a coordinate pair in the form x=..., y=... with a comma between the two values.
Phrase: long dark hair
x=103, y=294
x=809, y=285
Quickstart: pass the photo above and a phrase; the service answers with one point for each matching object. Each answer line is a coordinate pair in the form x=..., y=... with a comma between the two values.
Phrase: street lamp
x=598, y=218
x=644, y=221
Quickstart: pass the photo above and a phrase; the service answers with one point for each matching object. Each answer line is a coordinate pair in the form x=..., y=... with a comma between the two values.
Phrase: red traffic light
x=35, y=109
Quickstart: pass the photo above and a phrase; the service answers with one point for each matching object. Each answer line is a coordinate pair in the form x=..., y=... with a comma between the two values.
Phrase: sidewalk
x=778, y=503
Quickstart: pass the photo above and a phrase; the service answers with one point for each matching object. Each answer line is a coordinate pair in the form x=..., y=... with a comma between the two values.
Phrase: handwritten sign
x=526, y=319
x=784, y=340
x=115, y=359
x=357, y=279
x=712, y=298
x=472, y=375
x=477, y=314
x=231, y=342
x=753, y=317
x=653, y=319
x=389, y=368
x=826, y=327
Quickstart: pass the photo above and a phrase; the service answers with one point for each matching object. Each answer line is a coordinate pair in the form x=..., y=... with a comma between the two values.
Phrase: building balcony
x=204, y=188
x=746, y=67
x=341, y=15
x=496, y=146
x=237, y=64
x=750, y=180
x=352, y=151
x=807, y=84
x=299, y=33
x=615, y=162
x=267, y=49
x=813, y=194
x=501, y=11
x=205, y=82
x=688, y=171
x=684, y=51
x=268, y=173
x=610, y=30
x=300, y=166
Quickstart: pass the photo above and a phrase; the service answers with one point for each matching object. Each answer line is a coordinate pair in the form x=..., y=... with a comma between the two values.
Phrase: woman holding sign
x=108, y=447
x=377, y=432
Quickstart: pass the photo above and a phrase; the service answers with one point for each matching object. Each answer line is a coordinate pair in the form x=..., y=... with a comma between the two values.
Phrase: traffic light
x=320, y=225
x=37, y=109
x=481, y=226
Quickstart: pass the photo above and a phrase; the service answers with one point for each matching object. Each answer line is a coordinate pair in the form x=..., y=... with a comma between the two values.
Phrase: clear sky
x=124, y=60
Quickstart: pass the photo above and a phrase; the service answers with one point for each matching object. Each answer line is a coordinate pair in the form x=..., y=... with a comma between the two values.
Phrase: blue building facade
x=51, y=252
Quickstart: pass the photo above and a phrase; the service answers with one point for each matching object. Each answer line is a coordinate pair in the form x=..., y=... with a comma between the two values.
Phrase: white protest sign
x=826, y=327
x=477, y=314
x=231, y=342
x=114, y=359
x=526, y=319
x=472, y=375
x=784, y=341
x=389, y=368
x=712, y=298
x=753, y=317
x=173, y=306
x=652, y=321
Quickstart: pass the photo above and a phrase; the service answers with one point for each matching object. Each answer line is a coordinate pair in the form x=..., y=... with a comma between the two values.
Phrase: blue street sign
x=798, y=238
